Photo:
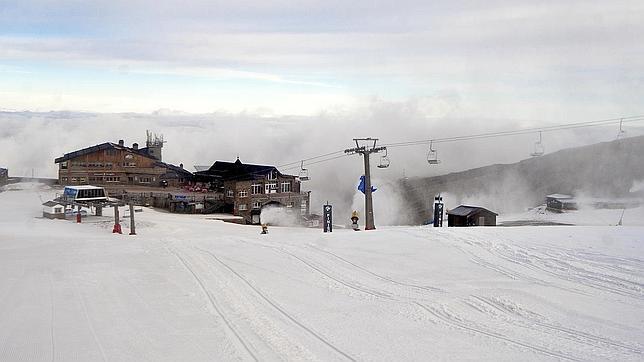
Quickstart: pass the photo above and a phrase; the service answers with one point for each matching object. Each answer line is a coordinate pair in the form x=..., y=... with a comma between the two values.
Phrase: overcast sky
x=513, y=59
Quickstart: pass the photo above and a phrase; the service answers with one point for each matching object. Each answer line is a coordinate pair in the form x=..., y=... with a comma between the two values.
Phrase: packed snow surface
x=191, y=289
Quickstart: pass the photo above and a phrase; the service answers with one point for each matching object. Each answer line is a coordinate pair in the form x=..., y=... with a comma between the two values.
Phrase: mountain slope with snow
x=189, y=288
x=605, y=170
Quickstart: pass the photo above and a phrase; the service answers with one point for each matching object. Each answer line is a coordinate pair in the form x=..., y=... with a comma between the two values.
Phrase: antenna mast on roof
x=154, y=144
x=154, y=139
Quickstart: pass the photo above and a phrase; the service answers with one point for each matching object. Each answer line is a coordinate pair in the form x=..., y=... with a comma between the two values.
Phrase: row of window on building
x=258, y=205
x=258, y=189
x=142, y=179
x=108, y=165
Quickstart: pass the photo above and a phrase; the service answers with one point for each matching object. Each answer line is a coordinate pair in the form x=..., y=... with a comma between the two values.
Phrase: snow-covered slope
x=585, y=216
x=189, y=288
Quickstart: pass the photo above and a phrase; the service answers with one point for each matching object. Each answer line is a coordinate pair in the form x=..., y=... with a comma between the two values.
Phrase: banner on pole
x=328, y=218
x=361, y=185
x=438, y=211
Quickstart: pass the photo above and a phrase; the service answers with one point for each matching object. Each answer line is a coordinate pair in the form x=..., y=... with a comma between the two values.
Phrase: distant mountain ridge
x=606, y=170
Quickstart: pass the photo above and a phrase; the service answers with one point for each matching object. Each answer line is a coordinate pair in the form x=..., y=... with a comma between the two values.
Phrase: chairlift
x=432, y=155
x=621, y=133
x=304, y=173
x=384, y=161
x=539, y=150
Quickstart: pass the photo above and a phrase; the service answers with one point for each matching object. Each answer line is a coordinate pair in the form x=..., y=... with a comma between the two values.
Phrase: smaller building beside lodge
x=115, y=164
x=53, y=210
x=471, y=216
x=249, y=188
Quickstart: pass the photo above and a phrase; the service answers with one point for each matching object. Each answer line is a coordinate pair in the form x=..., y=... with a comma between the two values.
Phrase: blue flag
x=361, y=186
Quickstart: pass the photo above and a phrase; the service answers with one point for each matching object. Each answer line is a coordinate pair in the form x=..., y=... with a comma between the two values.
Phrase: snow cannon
x=354, y=221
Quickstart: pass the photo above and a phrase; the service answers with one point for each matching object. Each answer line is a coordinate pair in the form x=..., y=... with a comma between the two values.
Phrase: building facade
x=250, y=188
x=115, y=164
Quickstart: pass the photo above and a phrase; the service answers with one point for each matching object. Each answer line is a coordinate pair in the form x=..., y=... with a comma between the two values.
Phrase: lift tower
x=365, y=147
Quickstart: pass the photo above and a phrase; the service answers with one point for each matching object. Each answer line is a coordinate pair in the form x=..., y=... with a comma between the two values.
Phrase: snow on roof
x=84, y=187
x=201, y=168
x=51, y=204
x=559, y=196
x=464, y=210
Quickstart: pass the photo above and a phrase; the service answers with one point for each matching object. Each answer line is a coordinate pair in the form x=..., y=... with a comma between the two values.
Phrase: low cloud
x=31, y=141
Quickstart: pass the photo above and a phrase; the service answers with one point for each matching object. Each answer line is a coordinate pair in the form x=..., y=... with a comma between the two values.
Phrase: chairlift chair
x=304, y=173
x=539, y=150
x=384, y=161
x=621, y=133
x=432, y=155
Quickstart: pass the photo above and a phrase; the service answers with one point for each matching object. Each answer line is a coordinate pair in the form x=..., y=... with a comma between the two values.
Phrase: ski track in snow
x=87, y=319
x=53, y=318
x=534, y=319
x=468, y=325
x=350, y=279
x=215, y=306
x=279, y=308
x=560, y=269
x=579, y=337
x=382, y=277
x=573, y=335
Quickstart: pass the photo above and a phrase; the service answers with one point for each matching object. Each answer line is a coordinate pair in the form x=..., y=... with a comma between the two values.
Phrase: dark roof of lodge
x=464, y=210
x=51, y=203
x=237, y=170
x=100, y=147
x=109, y=145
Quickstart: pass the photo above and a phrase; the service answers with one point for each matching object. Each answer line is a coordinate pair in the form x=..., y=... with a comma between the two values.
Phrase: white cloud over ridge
x=31, y=141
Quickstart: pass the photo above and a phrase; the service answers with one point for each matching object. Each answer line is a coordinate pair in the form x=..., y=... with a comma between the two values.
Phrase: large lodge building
x=244, y=188
x=117, y=165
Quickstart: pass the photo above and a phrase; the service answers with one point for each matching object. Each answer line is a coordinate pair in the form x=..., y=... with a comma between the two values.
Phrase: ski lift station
x=84, y=194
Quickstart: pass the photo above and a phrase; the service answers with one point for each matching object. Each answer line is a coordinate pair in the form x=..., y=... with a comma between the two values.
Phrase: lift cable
x=604, y=122
x=340, y=153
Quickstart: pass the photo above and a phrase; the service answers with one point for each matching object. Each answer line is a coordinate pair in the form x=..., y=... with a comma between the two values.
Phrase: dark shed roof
x=464, y=210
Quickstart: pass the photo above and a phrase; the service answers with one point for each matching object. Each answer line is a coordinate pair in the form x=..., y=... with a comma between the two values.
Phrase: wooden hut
x=471, y=216
x=53, y=210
